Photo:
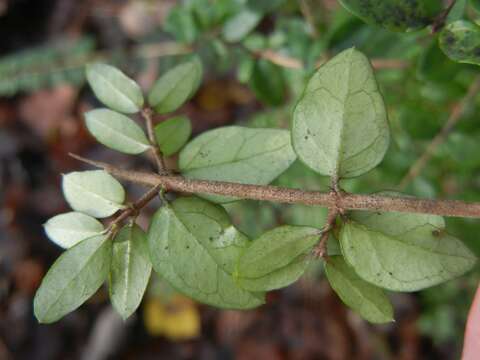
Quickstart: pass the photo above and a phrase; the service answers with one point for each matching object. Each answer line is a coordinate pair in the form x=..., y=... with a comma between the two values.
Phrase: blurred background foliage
x=258, y=55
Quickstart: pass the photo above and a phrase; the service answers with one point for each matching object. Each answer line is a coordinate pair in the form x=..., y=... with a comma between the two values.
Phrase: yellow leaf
x=177, y=319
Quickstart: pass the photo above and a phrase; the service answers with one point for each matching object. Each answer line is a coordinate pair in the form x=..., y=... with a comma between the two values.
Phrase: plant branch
x=344, y=201
x=157, y=154
x=320, y=250
x=135, y=207
x=439, y=22
x=453, y=119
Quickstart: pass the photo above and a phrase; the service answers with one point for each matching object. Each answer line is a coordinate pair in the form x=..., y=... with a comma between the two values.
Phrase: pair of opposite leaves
x=123, y=95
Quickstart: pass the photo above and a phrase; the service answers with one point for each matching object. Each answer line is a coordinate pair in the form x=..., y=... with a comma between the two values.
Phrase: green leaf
x=114, y=88
x=340, y=124
x=172, y=134
x=74, y=277
x=194, y=246
x=176, y=86
x=237, y=154
x=66, y=230
x=277, y=258
x=457, y=11
x=240, y=25
x=116, y=131
x=395, y=15
x=403, y=252
x=267, y=82
x=130, y=269
x=95, y=193
x=460, y=41
x=368, y=300
x=180, y=22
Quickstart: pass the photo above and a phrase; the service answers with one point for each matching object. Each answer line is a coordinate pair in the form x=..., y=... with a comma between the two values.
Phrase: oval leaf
x=114, y=88
x=76, y=275
x=194, y=246
x=95, y=193
x=460, y=41
x=173, y=134
x=116, y=131
x=267, y=82
x=340, y=125
x=66, y=230
x=240, y=25
x=403, y=253
x=277, y=258
x=130, y=269
x=176, y=86
x=395, y=15
x=367, y=300
x=237, y=154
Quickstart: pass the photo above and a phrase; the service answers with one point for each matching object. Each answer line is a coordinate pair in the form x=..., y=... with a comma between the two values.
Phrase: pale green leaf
x=340, y=124
x=460, y=41
x=176, y=86
x=95, y=193
x=193, y=246
x=403, y=252
x=173, y=134
x=237, y=154
x=369, y=301
x=66, y=230
x=116, y=131
x=277, y=258
x=74, y=277
x=130, y=269
x=240, y=25
x=114, y=88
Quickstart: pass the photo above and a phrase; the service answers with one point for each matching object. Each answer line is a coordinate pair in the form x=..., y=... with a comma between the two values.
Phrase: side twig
x=440, y=138
x=157, y=154
x=135, y=207
x=344, y=201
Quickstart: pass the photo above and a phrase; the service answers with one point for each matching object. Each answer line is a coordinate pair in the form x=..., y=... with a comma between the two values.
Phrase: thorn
x=90, y=162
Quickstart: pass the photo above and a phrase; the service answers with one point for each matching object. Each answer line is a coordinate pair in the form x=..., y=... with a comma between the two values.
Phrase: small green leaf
x=172, y=134
x=240, y=25
x=395, y=15
x=267, y=82
x=277, y=258
x=368, y=300
x=95, y=193
x=66, y=230
x=237, y=154
x=74, y=277
x=403, y=252
x=176, y=86
x=194, y=246
x=114, y=88
x=116, y=131
x=130, y=269
x=340, y=124
x=460, y=41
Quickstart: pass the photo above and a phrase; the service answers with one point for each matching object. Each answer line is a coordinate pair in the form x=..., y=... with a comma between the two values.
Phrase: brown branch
x=320, y=250
x=135, y=207
x=343, y=201
x=147, y=114
x=453, y=119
